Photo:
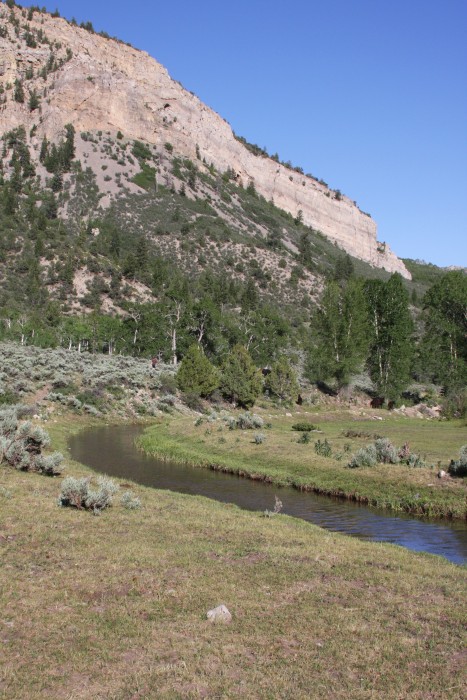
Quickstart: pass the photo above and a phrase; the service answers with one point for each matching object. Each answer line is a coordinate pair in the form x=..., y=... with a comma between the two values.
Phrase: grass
x=282, y=460
x=114, y=607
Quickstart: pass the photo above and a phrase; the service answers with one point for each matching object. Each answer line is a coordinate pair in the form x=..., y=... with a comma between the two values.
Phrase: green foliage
x=19, y=91
x=391, y=330
x=343, y=268
x=145, y=178
x=364, y=457
x=141, y=151
x=259, y=438
x=444, y=347
x=455, y=404
x=304, y=439
x=323, y=448
x=34, y=101
x=282, y=380
x=459, y=467
x=304, y=427
x=58, y=158
x=196, y=374
x=241, y=381
x=340, y=333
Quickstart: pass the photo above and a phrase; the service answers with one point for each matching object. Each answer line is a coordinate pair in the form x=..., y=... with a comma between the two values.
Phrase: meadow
x=114, y=607
x=280, y=455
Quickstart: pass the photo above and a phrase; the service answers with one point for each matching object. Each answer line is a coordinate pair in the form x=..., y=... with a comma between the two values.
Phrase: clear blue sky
x=369, y=95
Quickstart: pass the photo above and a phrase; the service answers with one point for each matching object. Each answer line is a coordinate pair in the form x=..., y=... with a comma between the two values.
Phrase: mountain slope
x=99, y=84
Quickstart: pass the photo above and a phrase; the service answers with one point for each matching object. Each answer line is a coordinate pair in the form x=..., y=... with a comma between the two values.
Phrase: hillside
x=134, y=221
x=54, y=73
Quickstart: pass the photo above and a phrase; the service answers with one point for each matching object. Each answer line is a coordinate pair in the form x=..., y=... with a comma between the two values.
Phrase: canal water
x=111, y=450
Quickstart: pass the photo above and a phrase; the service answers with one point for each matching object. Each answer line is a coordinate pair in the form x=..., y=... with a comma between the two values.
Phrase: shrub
x=386, y=452
x=365, y=457
x=129, y=501
x=77, y=494
x=167, y=383
x=193, y=401
x=21, y=444
x=305, y=427
x=8, y=397
x=259, y=438
x=304, y=438
x=459, y=467
x=323, y=448
x=455, y=404
x=414, y=460
x=249, y=420
x=277, y=508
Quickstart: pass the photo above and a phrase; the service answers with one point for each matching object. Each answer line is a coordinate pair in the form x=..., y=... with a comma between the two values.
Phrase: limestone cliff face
x=110, y=86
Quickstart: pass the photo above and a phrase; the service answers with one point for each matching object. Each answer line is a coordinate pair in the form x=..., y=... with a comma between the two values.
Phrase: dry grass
x=114, y=607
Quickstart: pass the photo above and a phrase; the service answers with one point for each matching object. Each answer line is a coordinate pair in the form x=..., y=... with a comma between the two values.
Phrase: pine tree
x=282, y=381
x=34, y=102
x=241, y=381
x=196, y=374
x=44, y=150
x=19, y=92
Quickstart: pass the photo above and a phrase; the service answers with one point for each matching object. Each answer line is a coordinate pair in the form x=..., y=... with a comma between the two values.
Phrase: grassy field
x=114, y=607
x=282, y=460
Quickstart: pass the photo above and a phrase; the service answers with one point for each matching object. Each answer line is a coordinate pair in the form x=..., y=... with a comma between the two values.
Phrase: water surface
x=111, y=450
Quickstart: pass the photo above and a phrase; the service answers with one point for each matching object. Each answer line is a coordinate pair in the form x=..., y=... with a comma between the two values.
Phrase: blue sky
x=371, y=96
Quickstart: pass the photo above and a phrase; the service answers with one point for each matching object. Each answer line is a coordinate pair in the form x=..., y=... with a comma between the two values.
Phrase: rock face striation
x=97, y=83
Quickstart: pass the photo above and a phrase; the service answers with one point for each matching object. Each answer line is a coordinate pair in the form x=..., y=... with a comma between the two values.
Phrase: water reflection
x=111, y=450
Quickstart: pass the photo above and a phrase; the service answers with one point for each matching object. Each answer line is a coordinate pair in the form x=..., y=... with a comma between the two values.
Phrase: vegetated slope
x=124, y=209
x=54, y=73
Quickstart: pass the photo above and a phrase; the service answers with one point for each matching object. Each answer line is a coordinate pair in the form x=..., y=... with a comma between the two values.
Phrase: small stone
x=441, y=474
x=219, y=614
x=289, y=415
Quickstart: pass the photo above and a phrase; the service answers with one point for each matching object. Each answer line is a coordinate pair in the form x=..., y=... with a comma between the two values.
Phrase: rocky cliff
x=98, y=83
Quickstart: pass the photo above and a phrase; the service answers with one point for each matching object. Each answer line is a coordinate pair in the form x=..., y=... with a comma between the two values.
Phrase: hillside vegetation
x=191, y=256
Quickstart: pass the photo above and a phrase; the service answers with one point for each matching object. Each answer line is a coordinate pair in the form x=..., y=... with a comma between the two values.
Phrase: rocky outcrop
x=104, y=84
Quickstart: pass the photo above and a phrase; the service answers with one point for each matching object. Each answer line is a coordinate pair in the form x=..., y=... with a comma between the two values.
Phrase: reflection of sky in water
x=111, y=450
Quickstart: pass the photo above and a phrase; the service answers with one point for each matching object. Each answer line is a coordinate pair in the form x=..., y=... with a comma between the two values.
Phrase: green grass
x=282, y=460
x=114, y=607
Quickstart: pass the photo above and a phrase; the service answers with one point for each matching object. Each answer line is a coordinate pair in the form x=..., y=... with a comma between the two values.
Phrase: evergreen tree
x=344, y=268
x=305, y=257
x=250, y=297
x=196, y=374
x=56, y=183
x=241, y=381
x=68, y=149
x=44, y=150
x=282, y=381
x=141, y=254
x=34, y=102
x=391, y=345
x=19, y=91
